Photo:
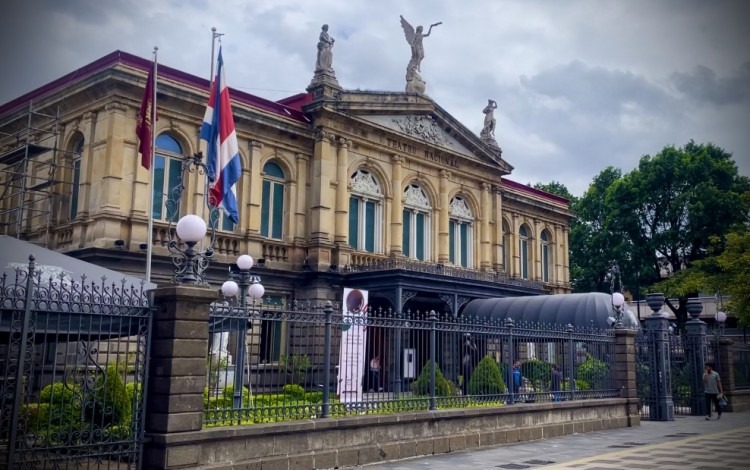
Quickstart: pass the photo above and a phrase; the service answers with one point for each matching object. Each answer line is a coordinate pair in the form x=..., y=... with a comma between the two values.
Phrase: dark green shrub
x=35, y=416
x=539, y=373
x=294, y=391
x=487, y=378
x=594, y=372
x=64, y=403
x=314, y=397
x=443, y=386
x=112, y=402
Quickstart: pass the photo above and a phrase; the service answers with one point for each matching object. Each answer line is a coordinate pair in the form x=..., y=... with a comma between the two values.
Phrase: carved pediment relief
x=421, y=127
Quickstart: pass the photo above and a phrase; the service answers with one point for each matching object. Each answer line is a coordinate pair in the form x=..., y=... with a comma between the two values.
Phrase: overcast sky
x=581, y=84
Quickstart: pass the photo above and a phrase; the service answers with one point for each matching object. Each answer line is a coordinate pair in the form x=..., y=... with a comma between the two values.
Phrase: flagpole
x=150, y=235
x=214, y=35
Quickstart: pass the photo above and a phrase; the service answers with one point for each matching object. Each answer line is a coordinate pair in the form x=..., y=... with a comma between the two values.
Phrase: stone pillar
x=558, y=254
x=397, y=231
x=485, y=258
x=725, y=364
x=444, y=219
x=499, y=261
x=321, y=215
x=536, y=256
x=88, y=174
x=566, y=256
x=625, y=371
x=695, y=350
x=177, y=372
x=514, y=252
x=658, y=328
x=301, y=208
x=255, y=190
x=116, y=129
x=341, y=234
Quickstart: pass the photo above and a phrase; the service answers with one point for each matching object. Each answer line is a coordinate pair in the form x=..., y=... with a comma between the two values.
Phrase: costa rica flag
x=223, y=157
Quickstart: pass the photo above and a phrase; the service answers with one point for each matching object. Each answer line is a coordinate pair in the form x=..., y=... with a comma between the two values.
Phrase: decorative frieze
x=422, y=127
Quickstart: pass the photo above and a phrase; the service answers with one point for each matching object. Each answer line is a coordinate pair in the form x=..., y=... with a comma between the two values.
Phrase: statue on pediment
x=415, y=37
x=488, y=131
x=324, y=62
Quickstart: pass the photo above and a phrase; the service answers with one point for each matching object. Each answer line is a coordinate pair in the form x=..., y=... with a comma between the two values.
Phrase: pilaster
x=498, y=262
x=535, y=252
x=396, y=206
x=566, y=256
x=254, y=202
x=301, y=207
x=341, y=234
x=485, y=260
x=558, y=254
x=444, y=218
x=114, y=152
x=514, y=245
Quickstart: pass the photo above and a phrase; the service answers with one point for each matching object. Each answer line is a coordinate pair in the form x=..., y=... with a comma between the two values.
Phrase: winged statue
x=414, y=38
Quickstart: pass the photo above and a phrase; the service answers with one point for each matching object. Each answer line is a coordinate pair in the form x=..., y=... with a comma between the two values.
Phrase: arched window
x=545, y=254
x=167, y=172
x=78, y=152
x=506, y=248
x=365, y=212
x=461, y=233
x=272, y=208
x=416, y=223
x=523, y=251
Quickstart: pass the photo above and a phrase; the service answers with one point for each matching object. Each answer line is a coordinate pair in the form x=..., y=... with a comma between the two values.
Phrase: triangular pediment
x=413, y=117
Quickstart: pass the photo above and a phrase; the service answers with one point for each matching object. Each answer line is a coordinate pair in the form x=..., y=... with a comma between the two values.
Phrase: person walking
x=712, y=389
x=517, y=377
x=556, y=381
x=375, y=374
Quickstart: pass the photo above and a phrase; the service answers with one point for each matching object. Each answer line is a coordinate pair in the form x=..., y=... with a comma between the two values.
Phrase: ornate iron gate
x=73, y=381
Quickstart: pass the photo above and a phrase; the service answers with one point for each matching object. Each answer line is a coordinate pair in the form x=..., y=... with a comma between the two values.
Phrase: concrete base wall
x=739, y=400
x=346, y=442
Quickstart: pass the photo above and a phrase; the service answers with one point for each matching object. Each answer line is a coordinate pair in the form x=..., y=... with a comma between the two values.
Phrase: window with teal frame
x=76, y=179
x=416, y=224
x=365, y=212
x=167, y=170
x=272, y=332
x=545, y=255
x=272, y=206
x=523, y=251
x=460, y=233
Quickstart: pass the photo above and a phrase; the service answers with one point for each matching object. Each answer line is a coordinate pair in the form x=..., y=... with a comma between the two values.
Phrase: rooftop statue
x=324, y=73
x=414, y=82
x=488, y=131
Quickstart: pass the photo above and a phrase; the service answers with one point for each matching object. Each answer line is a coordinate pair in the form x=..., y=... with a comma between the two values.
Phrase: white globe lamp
x=230, y=289
x=256, y=290
x=191, y=228
x=245, y=262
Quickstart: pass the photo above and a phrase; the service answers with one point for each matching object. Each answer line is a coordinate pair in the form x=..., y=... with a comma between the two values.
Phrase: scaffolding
x=32, y=171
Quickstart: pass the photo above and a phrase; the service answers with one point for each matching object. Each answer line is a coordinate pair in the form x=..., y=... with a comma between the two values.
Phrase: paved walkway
x=686, y=443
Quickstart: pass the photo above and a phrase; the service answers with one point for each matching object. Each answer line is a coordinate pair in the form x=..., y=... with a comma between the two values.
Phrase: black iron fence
x=313, y=361
x=73, y=370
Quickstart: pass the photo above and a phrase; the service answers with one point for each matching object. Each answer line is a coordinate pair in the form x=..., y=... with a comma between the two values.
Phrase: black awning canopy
x=581, y=310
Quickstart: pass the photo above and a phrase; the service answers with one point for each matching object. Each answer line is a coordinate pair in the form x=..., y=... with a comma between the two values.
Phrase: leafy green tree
x=557, y=188
x=670, y=208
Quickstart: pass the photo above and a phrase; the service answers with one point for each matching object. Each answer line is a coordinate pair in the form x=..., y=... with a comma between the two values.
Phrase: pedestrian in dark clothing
x=556, y=381
x=517, y=377
x=467, y=362
x=712, y=389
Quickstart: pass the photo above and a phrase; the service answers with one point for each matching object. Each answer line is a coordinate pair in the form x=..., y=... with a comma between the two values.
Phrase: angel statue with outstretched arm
x=414, y=38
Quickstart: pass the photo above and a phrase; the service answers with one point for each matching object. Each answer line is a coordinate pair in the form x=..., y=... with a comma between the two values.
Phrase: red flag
x=145, y=126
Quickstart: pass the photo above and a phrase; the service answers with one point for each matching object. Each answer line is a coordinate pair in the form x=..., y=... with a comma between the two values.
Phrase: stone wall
x=346, y=442
x=739, y=400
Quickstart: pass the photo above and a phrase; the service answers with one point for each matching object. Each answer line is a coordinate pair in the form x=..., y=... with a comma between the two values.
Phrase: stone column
x=255, y=190
x=444, y=219
x=341, y=234
x=566, y=256
x=177, y=372
x=397, y=206
x=485, y=259
x=116, y=130
x=725, y=364
x=301, y=208
x=695, y=350
x=558, y=255
x=498, y=262
x=321, y=215
x=514, y=254
x=536, y=255
x=88, y=173
x=625, y=371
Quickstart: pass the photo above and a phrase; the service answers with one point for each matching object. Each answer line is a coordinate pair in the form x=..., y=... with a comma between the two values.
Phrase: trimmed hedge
x=487, y=378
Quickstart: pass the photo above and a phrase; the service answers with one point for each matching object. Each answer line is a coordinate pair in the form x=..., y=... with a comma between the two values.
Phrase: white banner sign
x=353, y=346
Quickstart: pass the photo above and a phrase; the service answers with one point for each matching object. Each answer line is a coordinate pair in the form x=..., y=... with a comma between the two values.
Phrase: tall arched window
x=461, y=233
x=416, y=223
x=167, y=169
x=545, y=254
x=523, y=251
x=272, y=208
x=76, y=177
x=506, y=248
x=365, y=212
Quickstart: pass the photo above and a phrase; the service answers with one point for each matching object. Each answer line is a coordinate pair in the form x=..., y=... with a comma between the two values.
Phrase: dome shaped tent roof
x=590, y=309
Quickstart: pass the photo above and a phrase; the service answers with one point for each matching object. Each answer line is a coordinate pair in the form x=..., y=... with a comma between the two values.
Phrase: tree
x=672, y=208
x=557, y=188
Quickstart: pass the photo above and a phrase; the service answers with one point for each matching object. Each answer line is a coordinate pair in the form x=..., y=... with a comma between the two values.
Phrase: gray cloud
x=581, y=85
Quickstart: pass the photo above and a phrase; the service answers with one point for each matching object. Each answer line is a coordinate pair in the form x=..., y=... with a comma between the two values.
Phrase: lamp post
x=618, y=302
x=243, y=284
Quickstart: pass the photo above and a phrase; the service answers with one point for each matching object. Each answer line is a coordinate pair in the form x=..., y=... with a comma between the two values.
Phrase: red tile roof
x=120, y=57
x=536, y=192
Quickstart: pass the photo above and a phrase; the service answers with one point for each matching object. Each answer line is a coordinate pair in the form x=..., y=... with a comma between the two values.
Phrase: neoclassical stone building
x=378, y=190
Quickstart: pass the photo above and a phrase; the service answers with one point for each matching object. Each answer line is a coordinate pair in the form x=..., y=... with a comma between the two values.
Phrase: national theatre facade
x=384, y=191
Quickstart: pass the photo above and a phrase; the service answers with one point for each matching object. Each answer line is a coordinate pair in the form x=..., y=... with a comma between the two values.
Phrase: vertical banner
x=353, y=346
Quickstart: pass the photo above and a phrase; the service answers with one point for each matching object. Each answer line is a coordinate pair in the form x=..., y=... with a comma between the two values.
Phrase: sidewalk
x=688, y=442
